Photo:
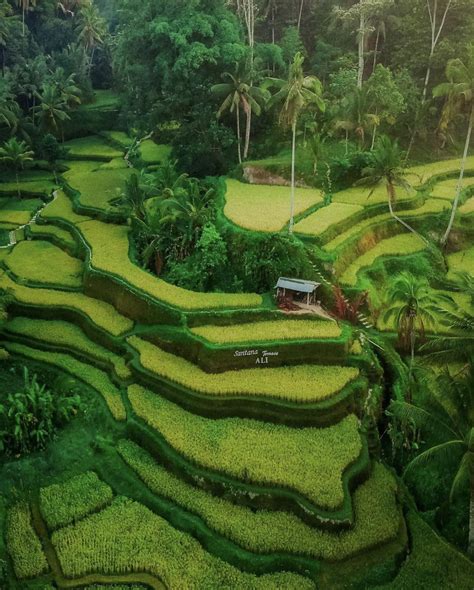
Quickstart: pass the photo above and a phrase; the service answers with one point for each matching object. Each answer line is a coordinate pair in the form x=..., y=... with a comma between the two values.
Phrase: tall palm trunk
x=239, y=140
x=376, y=49
x=300, y=14
x=17, y=183
x=248, y=127
x=391, y=201
x=461, y=178
x=361, y=47
x=292, y=196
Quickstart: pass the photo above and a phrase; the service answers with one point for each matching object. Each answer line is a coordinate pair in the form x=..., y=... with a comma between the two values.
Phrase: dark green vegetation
x=165, y=421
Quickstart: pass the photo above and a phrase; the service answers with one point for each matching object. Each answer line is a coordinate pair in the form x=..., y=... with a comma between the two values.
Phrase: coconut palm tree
x=297, y=93
x=387, y=167
x=91, y=30
x=447, y=416
x=354, y=116
x=9, y=109
x=52, y=110
x=16, y=154
x=459, y=93
x=413, y=306
x=66, y=87
x=239, y=93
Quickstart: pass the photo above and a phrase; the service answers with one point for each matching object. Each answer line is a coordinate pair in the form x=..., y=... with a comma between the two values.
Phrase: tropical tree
x=413, y=306
x=297, y=93
x=387, y=167
x=16, y=153
x=240, y=93
x=459, y=94
x=446, y=419
x=52, y=110
x=7, y=28
x=25, y=7
x=66, y=87
x=459, y=345
x=354, y=116
x=9, y=109
x=91, y=30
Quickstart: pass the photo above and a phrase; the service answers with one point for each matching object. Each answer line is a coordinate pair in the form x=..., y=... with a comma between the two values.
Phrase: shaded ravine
x=62, y=582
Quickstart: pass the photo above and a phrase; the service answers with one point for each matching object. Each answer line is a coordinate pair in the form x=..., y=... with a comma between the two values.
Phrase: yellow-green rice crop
x=120, y=137
x=446, y=189
x=14, y=217
x=421, y=174
x=52, y=231
x=300, y=383
x=23, y=543
x=402, y=244
x=91, y=146
x=324, y=218
x=309, y=461
x=268, y=331
x=153, y=153
x=96, y=185
x=93, y=377
x=430, y=206
x=361, y=195
x=67, y=502
x=100, y=313
x=128, y=537
x=42, y=262
x=376, y=514
x=69, y=337
x=462, y=261
x=61, y=208
x=110, y=244
x=468, y=207
x=264, y=207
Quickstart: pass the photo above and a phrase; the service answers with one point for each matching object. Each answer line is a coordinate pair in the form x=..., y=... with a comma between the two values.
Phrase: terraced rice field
x=180, y=487
x=401, y=245
x=265, y=208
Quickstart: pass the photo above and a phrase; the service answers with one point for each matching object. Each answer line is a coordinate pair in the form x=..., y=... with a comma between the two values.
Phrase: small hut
x=296, y=290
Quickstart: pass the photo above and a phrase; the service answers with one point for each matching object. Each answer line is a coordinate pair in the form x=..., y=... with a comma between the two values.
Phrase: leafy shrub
x=310, y=461
x=127, y=537
x=376, y=520
x=23, y=544
x=30, y=417
x=65, y=503
x=300, y=383
x=96, y=379
x=259, y=259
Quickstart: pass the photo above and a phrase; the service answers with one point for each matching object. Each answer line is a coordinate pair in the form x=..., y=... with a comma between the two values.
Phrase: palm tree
x=239, y=93
x=387, y=167
x=447, y=416
x=16, y=153
x=9, y=109
x=354, y=116
x=413, y=305
x=25, y=7
x=297, y=94
x=459, y=93
x=91, y=30
x=7, y=29
x=455, y=348
x=52, y=110
x=66, y=87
